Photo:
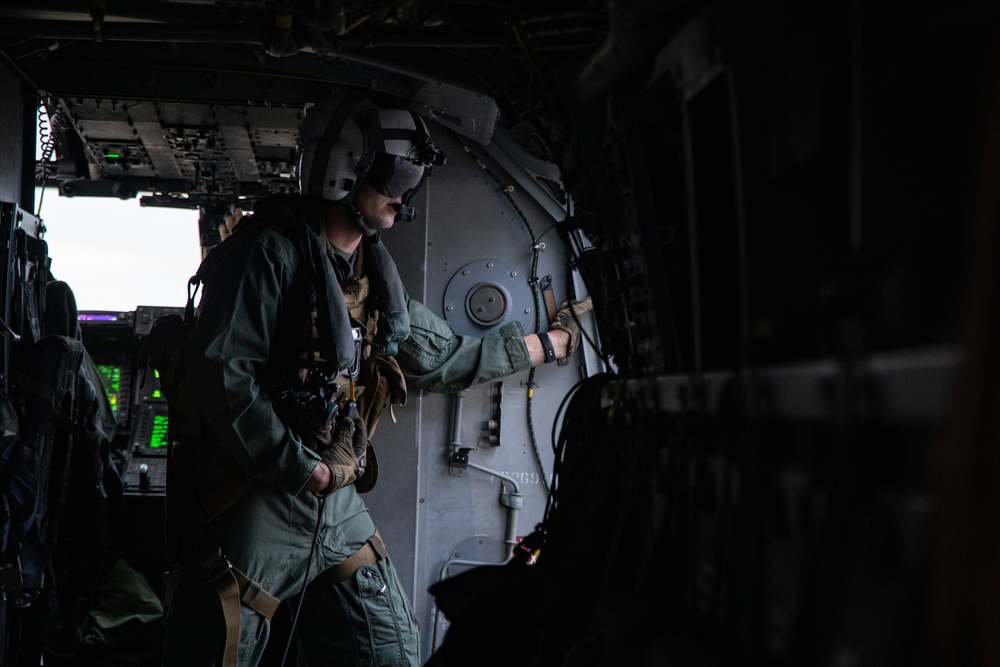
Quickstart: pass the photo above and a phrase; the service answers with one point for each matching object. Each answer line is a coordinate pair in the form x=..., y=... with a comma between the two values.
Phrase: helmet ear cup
x=339, y=161
x=332, y=148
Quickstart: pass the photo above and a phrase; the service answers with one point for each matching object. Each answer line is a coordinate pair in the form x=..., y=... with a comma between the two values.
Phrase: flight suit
x=253, y=320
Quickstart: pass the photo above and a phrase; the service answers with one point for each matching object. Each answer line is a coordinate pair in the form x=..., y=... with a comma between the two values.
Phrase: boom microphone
x=404, y=213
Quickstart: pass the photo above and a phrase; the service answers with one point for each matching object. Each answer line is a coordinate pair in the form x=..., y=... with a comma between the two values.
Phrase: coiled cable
x=47, y=128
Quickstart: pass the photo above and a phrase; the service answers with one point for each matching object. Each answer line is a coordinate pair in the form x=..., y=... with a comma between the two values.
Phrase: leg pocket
x=386, y=615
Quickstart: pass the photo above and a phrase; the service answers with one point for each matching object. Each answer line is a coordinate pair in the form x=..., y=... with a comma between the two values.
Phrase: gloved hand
x=346, y=454
x=564, y=319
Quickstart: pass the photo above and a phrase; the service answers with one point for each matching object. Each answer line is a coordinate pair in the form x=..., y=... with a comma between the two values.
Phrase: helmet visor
x=393, y=175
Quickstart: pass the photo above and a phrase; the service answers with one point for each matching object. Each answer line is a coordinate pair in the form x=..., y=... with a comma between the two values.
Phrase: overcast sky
x=117, y=255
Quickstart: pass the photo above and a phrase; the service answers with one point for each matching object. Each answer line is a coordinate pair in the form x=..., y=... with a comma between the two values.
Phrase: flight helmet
x=347, y=140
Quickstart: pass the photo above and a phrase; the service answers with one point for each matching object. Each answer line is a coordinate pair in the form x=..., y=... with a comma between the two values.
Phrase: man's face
x=378, y=210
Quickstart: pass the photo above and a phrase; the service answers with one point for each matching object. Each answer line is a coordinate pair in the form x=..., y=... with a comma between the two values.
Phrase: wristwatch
x=550, y=353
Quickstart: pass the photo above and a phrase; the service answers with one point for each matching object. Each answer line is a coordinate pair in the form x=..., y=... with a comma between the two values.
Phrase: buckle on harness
x=358, y=340
x=217, y=569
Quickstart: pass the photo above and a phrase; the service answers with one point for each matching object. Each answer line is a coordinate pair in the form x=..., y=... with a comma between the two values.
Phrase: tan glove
x=346, y=454
x=565, y=320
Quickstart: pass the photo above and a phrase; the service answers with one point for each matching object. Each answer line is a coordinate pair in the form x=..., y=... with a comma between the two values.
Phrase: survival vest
x=375, y=303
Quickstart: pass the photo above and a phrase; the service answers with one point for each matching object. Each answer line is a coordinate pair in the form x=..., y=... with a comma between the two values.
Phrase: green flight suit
x=253, y=321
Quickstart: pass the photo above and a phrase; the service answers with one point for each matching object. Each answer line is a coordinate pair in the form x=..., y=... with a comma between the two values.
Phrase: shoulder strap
x=250, y=225
x=333, y=321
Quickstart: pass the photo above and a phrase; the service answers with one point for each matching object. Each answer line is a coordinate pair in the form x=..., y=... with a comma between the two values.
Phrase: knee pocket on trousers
x=383, y=614
x=254, y=630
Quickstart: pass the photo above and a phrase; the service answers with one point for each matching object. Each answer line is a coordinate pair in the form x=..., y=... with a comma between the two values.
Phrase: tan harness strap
x=373, y=550
x=229, y=594
x=255, y=597
x=236, y=589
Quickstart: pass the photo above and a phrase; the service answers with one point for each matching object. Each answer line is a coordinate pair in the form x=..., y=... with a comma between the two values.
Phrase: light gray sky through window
x=116, y=255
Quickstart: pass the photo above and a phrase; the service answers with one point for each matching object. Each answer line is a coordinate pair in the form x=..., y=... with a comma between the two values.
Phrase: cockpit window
x=116, y=254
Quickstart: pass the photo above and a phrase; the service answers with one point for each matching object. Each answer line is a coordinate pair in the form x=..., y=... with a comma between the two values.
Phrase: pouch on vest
x=384, y=386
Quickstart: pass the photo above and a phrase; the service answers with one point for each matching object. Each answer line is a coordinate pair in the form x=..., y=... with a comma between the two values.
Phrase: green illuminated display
x=156, y=390
x=112, y=376
x=158, y=434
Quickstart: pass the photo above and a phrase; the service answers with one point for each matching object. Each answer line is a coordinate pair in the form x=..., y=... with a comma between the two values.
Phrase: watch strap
x=550, y=353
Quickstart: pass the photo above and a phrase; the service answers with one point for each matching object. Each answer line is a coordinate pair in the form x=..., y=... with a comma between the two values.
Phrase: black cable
x=583, y=332
x=557, y=450
x=559, y=410
x=305, y=580
x=506, y=190
x=583, y=423
x=47, y=128
x=531, y=431
x=575, y=254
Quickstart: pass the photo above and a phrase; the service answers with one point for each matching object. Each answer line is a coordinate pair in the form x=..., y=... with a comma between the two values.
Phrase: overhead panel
x=147, y=124
x=233, y=130
x=107, y=130
x=274, y=133
x=213, y=149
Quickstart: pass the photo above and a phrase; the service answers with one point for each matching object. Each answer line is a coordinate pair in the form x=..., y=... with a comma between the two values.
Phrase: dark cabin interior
x=786, y=215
